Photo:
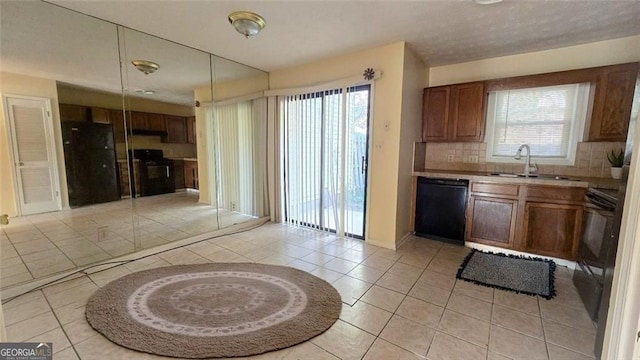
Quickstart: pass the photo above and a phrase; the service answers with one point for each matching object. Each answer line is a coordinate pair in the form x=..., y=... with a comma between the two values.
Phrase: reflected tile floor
x=44, y=244
x=403, y=304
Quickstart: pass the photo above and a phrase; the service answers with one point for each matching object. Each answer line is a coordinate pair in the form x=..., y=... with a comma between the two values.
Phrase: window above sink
x=550, y=119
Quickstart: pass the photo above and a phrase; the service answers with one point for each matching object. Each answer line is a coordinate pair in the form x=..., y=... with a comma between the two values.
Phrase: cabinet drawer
x=496, y=189
x=555, y=193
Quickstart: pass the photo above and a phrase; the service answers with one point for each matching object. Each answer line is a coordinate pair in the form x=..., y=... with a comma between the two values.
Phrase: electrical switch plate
x=450, y=158
x=102, y=233
x=473, y=159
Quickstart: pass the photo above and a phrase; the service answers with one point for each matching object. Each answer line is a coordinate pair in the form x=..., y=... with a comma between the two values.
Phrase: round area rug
x=214, y=310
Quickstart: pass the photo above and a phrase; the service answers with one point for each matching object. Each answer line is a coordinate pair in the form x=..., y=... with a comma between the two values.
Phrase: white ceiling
x=440, y=32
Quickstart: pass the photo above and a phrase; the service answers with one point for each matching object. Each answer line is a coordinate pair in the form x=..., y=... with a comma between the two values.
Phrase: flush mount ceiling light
x=146, y=66
x=145, y=92
x=247, y=23
x=487, y=2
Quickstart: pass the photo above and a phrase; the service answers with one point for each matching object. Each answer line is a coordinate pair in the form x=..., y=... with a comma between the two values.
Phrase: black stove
x=156, y=172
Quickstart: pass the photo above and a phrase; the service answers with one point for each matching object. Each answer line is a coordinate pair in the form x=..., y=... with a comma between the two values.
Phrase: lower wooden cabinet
x=538, y=219
x=123, y=167
x=492, y=221
x=191, y=174
x=552, y=229
x=178, y=171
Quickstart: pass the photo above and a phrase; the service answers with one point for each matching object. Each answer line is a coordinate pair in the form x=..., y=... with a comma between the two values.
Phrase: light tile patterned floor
x=403, y=304
x=40, y=245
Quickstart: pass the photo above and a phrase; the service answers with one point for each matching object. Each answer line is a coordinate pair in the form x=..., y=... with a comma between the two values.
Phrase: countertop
x=572, y=181
x=185, y=159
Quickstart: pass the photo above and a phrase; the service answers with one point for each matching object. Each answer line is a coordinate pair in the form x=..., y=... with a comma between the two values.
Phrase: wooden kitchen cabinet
x=191, y=130
x=454, y=113
x=552, y=229
x=552, y=220
x=176, y=129
x=138, y=120
x=100, y=115
x=538, y=219
x=125, y=177
x=492, y=214
x=191, y=174
x=70, y=112
x=156, y=122
x=117, y=118
x=178, y=171
x=612, y=102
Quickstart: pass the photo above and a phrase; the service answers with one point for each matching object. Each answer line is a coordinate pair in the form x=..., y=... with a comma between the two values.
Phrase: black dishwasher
x=440, y=209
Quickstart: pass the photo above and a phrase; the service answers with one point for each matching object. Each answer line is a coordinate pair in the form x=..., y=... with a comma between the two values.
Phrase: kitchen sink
x=534, y=176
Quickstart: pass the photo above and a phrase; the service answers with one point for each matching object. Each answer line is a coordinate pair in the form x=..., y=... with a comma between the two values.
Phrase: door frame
x=51, y=149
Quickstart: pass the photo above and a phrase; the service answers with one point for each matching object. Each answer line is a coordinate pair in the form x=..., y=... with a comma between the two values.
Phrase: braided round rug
x=214, y=310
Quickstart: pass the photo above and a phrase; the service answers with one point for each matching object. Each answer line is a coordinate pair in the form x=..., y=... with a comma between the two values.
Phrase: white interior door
x=34, y=156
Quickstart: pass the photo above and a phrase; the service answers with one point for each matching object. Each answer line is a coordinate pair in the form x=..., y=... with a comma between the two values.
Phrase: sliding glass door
x=325, y=146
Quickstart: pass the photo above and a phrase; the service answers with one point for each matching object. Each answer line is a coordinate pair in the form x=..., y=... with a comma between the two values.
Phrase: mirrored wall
x=150, y=141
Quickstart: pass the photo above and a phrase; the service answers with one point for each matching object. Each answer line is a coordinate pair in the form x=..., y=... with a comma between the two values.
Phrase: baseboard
x=379, y=244
x=403, y=240
x=562, y=262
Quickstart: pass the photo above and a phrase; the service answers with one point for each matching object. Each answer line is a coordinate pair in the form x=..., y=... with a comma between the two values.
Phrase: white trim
x=233, y=100
x=351, y=81
x=562, y=262
x=624, y=307
x=381, y=244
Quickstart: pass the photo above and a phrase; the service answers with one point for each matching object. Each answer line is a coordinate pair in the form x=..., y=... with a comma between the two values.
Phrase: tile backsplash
x=591, y=159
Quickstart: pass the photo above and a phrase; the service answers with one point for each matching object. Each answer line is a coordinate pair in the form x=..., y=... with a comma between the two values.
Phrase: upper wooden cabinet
x=156, y=122
x=176, y=129
x=138, y=120
x=454, y=113
x=191, y=130
x=612, y=102
x=100, y=115
x=73, y=112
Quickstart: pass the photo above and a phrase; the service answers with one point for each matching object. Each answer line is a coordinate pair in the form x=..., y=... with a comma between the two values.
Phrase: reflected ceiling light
x=486, y=2
x=146, y=66
x=145, y=92
x=247, y=23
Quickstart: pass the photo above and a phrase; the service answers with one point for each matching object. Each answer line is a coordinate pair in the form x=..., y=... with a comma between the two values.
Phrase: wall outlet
x=232, y=204
x=473, y=159
x=450, y=158
x=103, y=232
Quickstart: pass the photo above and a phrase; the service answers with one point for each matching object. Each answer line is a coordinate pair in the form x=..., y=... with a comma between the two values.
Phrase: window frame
x=577, y=132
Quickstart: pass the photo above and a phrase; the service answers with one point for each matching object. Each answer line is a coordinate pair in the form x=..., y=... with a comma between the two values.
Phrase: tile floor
x=403, y=304
x=40, y=245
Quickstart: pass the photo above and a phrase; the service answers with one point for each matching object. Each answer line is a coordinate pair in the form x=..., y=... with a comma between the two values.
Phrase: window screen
x=549, y=119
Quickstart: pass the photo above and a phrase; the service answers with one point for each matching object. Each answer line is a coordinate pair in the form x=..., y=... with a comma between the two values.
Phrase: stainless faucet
x=527, y=164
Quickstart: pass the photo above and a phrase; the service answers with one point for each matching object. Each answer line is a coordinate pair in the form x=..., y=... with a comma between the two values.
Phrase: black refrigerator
x=90, y=163
x=617, y=220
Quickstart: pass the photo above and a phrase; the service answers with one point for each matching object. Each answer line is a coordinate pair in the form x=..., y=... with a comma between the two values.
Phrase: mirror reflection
x=101, y=159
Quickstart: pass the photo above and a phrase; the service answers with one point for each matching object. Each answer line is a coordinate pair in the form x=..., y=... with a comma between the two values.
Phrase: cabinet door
x=117, y=118
x=138, y=120
x=124, y=178
x=492, y=221
x=176, y=129
x=156, y=122
x=466, y=114
x=189, y=175
x=191, y=130
x=552, y=229
x=100, y=115
x=73, y=112
x=612, y=103
x=178, y=170
x=435, y=113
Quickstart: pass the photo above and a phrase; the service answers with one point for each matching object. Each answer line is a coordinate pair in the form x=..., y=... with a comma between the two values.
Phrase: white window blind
x=549, y=119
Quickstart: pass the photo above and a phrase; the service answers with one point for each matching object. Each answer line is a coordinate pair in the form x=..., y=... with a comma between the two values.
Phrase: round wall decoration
x=214, y=310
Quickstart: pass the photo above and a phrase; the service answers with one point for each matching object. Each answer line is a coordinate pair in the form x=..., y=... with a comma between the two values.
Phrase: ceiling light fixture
x=247, y=23
x=487, y=2
x=145, y=92
x=146, y=66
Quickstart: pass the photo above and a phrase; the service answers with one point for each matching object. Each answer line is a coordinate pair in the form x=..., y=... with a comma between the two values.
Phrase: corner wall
x=410, y=132
x=15, y=84
x=382, y=200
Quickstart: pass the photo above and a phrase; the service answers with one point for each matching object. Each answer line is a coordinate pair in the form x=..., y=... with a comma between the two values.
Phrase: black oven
x=156, y=172
x=594, y=247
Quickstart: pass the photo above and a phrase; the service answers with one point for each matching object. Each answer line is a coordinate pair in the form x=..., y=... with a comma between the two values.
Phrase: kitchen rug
x=521, y=274
x=214, y=310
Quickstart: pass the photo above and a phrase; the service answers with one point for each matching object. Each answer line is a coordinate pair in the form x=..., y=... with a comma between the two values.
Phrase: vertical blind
x=323, y=177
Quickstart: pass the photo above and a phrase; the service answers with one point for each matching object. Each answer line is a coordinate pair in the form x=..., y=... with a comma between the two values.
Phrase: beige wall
x=203, y=95
x=410, y=132
x=573, y=57
x=15, y=84
x=590, y=158
x=246, y=86
x=387, y=109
